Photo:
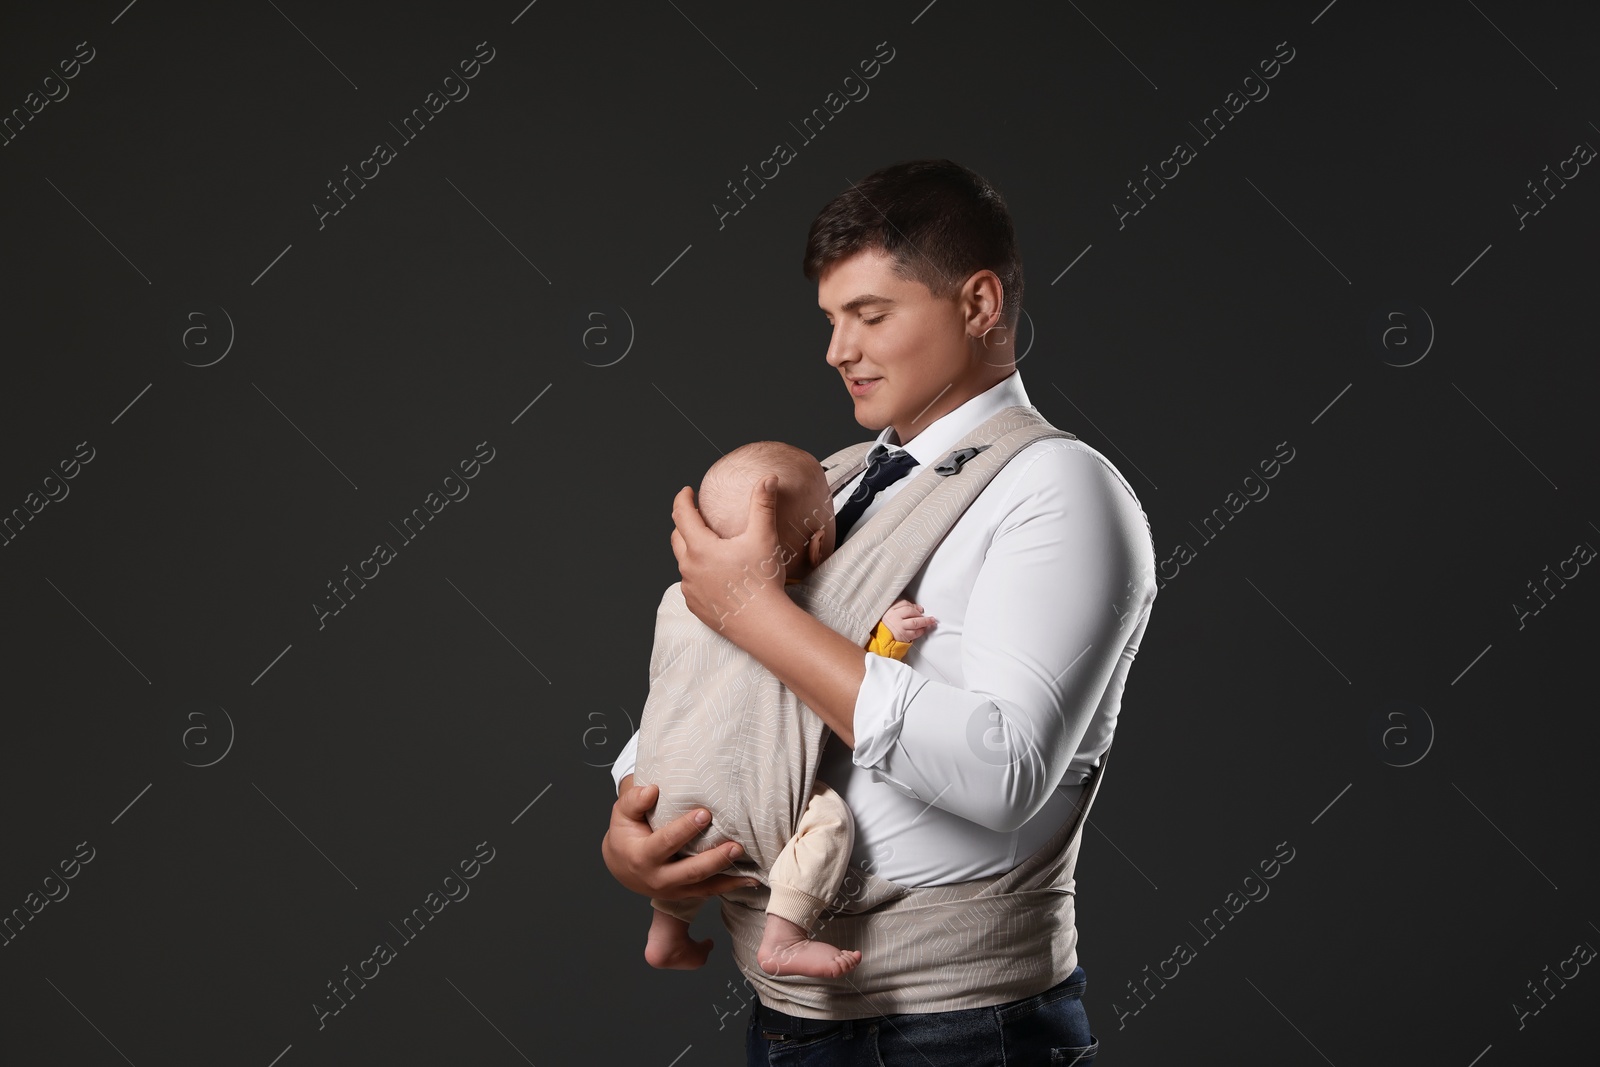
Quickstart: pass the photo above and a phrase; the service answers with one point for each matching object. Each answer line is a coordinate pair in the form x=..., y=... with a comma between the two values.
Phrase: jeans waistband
x=779, y=1026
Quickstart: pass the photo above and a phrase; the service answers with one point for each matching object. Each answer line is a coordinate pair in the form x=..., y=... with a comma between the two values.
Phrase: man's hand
x=641, y=859
x=907, y=622
x=725, y=578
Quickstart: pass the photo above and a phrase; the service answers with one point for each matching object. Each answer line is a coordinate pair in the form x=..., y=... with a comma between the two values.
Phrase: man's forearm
x=820, y=667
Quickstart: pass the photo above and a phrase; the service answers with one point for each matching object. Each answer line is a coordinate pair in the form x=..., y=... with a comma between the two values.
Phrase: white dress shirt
x=972, y=750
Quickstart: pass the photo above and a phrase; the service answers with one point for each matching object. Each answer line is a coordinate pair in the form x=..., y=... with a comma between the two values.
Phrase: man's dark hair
x=936, y=219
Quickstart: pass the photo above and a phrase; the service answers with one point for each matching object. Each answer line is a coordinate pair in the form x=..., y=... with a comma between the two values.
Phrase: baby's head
x=805, y=506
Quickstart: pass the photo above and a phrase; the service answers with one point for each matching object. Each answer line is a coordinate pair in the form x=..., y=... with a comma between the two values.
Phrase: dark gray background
x=501, y=659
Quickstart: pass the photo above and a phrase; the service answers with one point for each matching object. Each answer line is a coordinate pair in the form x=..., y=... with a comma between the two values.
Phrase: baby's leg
x=804, y=877
x=668, y=944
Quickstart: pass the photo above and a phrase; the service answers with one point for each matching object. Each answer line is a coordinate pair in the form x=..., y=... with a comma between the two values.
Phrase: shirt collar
x=939, y=438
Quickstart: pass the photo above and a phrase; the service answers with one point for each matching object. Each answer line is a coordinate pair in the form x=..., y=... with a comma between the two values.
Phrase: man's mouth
x=860, y=386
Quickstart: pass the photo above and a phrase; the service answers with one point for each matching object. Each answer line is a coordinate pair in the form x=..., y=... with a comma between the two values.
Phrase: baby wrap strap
x=936, y=948
x=719, y=731
x=933, y=948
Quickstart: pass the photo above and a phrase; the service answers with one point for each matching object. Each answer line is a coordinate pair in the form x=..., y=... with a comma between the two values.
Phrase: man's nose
x=841, y=348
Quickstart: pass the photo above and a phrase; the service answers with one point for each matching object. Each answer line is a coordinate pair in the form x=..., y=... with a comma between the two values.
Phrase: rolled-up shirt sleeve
x=626, y=760
x=1067, y=577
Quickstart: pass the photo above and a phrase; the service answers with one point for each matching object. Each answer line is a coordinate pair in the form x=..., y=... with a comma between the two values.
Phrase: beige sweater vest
x=719, y=731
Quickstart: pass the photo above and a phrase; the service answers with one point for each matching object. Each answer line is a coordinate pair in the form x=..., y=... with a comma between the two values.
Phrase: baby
x=808, y=872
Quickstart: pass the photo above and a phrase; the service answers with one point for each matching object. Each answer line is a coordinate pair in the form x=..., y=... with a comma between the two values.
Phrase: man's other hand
x=642, y=859
x=726, y=581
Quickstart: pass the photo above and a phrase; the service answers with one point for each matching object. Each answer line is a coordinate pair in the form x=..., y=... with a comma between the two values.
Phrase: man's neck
x=901, y=436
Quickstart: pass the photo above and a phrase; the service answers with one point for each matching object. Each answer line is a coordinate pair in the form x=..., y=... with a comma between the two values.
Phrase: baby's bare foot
x=679, y=954
x=669, y=946
x=785, y=949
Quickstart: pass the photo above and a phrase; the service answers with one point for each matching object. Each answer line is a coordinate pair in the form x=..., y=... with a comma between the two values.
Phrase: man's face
x=912, y=345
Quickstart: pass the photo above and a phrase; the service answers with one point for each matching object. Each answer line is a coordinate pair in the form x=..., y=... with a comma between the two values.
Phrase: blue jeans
x=1047, y=1028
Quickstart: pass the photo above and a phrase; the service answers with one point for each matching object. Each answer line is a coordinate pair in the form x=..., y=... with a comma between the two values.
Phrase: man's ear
x=983, y=299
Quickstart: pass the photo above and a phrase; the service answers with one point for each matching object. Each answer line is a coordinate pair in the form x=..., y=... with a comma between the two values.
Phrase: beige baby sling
x=719, y=731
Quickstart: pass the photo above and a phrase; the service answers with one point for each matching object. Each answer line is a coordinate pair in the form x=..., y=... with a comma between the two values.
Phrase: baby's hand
x=907, y=622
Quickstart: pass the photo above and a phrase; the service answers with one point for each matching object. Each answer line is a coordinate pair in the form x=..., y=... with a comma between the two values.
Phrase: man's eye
x=874, y=322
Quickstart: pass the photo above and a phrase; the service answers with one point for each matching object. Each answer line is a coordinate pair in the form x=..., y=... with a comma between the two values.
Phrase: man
x=1042, y=588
